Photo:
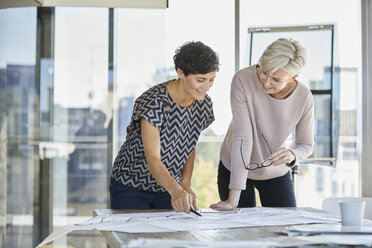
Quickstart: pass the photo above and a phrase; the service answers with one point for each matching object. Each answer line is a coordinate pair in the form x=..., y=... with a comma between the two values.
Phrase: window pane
x=142, y=64
x=17, y=119
x=343, y=179
x=316, y=75
x=3, y=143
x=80, y=120
x=319, y=46
x=322, y=126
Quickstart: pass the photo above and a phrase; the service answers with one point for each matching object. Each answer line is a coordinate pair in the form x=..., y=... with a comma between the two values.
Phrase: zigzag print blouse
x=179, y=129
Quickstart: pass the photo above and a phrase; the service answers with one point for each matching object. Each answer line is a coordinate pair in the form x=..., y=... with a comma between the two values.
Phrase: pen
x=194, y=212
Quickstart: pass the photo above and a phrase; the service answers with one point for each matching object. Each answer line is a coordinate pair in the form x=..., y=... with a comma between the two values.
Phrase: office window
x=17, y=126
x=318, y=75
x=333, y=76
x=145, y=42
x=80, y=118
x=334, y=187
x=85, y=107
x=319, y=179
x=74, y=118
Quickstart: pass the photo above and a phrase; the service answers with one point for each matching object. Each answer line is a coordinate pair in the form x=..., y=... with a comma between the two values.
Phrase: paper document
x=354, y=240
x=334, y=234
x=172, y=222
x=54, y=235
x=330, y=229
x=176, y=243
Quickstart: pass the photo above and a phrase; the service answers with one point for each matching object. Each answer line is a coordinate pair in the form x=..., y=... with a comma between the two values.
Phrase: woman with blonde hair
x=267, y=104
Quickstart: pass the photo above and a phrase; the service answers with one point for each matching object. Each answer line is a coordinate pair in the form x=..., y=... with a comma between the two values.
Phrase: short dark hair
x=195, y=58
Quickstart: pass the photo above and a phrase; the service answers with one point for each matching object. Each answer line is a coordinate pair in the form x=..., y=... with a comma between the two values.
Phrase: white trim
x=366, y=149
x=86, y=3
x=237, y=34
x=19, y=3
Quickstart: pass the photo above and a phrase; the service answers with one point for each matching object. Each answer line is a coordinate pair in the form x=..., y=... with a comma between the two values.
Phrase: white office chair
x=331, y=204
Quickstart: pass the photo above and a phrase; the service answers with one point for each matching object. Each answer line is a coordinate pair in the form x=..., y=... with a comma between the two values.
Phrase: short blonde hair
x=284, y=54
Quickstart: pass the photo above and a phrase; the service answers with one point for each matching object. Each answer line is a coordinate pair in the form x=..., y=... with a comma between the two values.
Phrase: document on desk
x=356, y=240
x=154, y=222
x=176, y=243
x=173, y=222
x=338, y=239
x=335, y=228
x=333, y=233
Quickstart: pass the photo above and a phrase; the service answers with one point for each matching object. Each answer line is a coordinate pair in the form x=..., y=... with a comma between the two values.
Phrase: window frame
x=333, y=138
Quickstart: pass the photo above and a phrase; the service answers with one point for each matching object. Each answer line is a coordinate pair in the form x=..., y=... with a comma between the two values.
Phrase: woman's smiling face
x=197, y=85
x=274, y=83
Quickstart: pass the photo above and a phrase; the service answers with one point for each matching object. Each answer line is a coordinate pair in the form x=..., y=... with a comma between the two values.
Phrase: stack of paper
x=333, y=234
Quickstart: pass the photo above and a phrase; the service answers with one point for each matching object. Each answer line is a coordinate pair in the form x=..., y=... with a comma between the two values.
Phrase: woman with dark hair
x=154, y=166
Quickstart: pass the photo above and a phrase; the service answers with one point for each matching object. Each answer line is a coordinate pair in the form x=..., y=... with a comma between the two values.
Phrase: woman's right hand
x=224, y=206
x=231, y=203
x=181, y=200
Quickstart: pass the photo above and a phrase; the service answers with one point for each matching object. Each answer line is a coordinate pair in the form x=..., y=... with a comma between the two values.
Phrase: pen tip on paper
x=194, y=212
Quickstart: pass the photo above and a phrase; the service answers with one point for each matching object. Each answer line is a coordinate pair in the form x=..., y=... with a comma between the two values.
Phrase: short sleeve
x=210, y=115
x=150, y=109
x=209, y=120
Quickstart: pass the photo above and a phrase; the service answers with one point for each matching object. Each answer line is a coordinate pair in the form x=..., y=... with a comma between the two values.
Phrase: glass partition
x=318, y=41
x=318, y=74
x=73, y=109
x=332, y=74
x=17, y=125
x=3, y=120
x=145, y=43
x=80, y=118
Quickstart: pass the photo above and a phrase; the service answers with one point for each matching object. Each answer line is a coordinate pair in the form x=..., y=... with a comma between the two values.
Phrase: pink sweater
x=256, y=113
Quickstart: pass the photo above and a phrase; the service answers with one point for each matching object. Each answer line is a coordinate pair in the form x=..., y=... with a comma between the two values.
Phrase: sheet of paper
x=210, y=219
x=174, y=243
x=172, y=221
x=272, y=242
x=54, y=235
x=329, y=229
x=365, y=240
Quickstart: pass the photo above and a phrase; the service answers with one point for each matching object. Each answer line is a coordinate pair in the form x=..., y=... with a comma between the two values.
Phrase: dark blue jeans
x=125, y=197
x=276, y=192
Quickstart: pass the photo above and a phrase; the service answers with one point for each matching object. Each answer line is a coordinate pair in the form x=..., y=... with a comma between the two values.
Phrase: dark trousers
x=125, y=197
x=276, y=192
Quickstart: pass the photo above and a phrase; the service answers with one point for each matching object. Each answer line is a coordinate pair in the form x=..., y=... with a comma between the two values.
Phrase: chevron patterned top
x=179, y=130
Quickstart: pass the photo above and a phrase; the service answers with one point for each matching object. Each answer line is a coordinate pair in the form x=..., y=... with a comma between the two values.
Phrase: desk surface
x=116, y=239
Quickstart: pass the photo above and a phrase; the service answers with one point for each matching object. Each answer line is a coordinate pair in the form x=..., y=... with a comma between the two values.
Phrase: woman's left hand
x=189, y=190
x=282, y=156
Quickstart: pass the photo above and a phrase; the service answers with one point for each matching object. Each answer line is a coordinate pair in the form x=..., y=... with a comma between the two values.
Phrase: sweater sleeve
x=304, y=139
x=242, y=136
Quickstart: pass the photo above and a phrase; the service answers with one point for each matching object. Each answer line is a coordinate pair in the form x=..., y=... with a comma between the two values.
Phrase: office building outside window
x=67, y=111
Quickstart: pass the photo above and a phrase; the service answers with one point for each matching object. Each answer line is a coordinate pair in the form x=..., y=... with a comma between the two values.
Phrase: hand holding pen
x=194, y=212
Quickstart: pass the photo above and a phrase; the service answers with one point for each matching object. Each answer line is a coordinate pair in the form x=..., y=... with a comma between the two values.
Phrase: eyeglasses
x=254, y=166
